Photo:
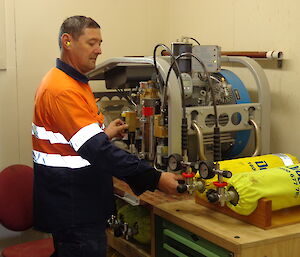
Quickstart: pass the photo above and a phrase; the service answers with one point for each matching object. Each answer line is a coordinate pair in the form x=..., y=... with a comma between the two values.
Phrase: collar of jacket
x=75, y=74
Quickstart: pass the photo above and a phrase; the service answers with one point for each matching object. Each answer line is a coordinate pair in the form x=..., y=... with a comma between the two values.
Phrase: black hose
x=217, y=139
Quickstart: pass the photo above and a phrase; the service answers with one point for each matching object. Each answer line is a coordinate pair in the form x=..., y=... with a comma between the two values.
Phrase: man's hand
x=116, y=129
x=168, y=182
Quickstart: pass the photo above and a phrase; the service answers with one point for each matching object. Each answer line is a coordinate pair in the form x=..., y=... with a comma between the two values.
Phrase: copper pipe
x=253, y=54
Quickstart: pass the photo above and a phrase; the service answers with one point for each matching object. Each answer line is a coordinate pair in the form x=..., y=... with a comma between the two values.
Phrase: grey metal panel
x=230, y=109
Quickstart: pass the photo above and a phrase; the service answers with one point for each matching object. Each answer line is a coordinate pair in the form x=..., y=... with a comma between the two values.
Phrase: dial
x=206, y=169
x=174, y=162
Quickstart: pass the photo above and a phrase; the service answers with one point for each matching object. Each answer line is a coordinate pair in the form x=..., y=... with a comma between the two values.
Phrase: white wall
x=9, y=116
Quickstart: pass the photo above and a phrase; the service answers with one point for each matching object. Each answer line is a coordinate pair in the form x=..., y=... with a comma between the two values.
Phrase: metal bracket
x=133, y=200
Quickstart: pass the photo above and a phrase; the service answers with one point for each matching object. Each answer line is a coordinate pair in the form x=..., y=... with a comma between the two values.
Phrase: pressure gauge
x=174, y=162
x=206, y=169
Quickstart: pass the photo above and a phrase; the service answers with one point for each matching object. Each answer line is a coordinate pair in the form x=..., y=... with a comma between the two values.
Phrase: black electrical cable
x=155, y=63
x=195, y=40
x=217, y=137
x=123, y=93
x=164, y=94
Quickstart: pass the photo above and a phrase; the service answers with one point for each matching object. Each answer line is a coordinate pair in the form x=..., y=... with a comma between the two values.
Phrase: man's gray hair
x=75, y=26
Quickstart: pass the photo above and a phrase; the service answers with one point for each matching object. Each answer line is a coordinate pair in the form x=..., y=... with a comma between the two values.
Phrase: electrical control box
x=210, y=55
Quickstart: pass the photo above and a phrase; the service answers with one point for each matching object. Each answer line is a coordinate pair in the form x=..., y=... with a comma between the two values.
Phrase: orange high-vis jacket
x=73, y=158
x=65, y=117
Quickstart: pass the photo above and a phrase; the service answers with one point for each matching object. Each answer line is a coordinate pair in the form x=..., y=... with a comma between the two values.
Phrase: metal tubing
x=253, y=54
x=200, y=140
x=257, y=134
x=151, y=140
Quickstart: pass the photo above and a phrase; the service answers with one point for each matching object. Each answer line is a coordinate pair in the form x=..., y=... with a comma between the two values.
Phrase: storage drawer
x=174, y=241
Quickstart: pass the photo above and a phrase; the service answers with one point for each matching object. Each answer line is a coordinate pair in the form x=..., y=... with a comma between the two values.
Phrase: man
x=74, y=160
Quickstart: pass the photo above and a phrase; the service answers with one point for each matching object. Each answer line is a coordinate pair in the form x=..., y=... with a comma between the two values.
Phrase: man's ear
x=66, y=40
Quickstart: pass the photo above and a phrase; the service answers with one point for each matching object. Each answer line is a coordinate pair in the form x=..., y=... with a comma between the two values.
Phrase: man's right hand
x=168, y=182
x=116, y=129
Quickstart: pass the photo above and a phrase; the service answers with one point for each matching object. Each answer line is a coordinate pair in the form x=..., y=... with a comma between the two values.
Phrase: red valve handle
x=220, y=184
x=188, y=175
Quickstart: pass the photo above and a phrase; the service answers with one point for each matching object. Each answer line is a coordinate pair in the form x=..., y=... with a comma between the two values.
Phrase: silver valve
x=191, y=184
x=221, y=195
x=122, y=229
x=112, y=221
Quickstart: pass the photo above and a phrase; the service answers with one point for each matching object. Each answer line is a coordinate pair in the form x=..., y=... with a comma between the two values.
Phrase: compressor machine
x=185, y=108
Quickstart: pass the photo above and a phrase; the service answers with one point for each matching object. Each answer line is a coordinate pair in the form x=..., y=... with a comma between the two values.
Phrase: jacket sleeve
x=137, y=173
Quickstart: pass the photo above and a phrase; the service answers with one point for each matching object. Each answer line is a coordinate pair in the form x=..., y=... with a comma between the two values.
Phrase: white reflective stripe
x=42, y=133
x=84, y=134
x=56, y=160
x=285, y=158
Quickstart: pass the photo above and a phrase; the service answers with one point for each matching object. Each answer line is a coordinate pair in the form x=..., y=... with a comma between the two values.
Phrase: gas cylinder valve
x=121, y=228
x=190, y=183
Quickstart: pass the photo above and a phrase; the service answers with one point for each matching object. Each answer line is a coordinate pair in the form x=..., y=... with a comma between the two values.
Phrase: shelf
x=127, y=248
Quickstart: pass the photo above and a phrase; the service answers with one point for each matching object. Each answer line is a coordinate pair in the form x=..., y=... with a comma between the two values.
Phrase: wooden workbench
x=242, y=239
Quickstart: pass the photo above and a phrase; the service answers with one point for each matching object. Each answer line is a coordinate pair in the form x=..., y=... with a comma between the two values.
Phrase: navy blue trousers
x=80, y=242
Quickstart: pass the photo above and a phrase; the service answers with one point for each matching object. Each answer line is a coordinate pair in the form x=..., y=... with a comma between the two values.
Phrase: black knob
x=212, y=196
x=118, y=231
x=181, y=188
x=226, y=174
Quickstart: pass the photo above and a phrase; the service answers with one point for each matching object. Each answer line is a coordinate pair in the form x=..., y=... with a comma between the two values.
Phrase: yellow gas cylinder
x=280, y=184
x=248, y=164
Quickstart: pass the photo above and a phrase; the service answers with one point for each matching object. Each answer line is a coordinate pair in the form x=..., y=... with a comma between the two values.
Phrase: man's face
x=85, y=50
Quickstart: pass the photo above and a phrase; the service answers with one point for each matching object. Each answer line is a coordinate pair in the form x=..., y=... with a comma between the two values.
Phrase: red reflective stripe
x=45, y=146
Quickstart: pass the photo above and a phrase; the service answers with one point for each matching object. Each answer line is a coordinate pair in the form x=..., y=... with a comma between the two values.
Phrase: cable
x=182, y=39
x=217, y=137
x=195, y=40
x=159, y=78
x=208, y=78
x=164, y=93
x=123, y=93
